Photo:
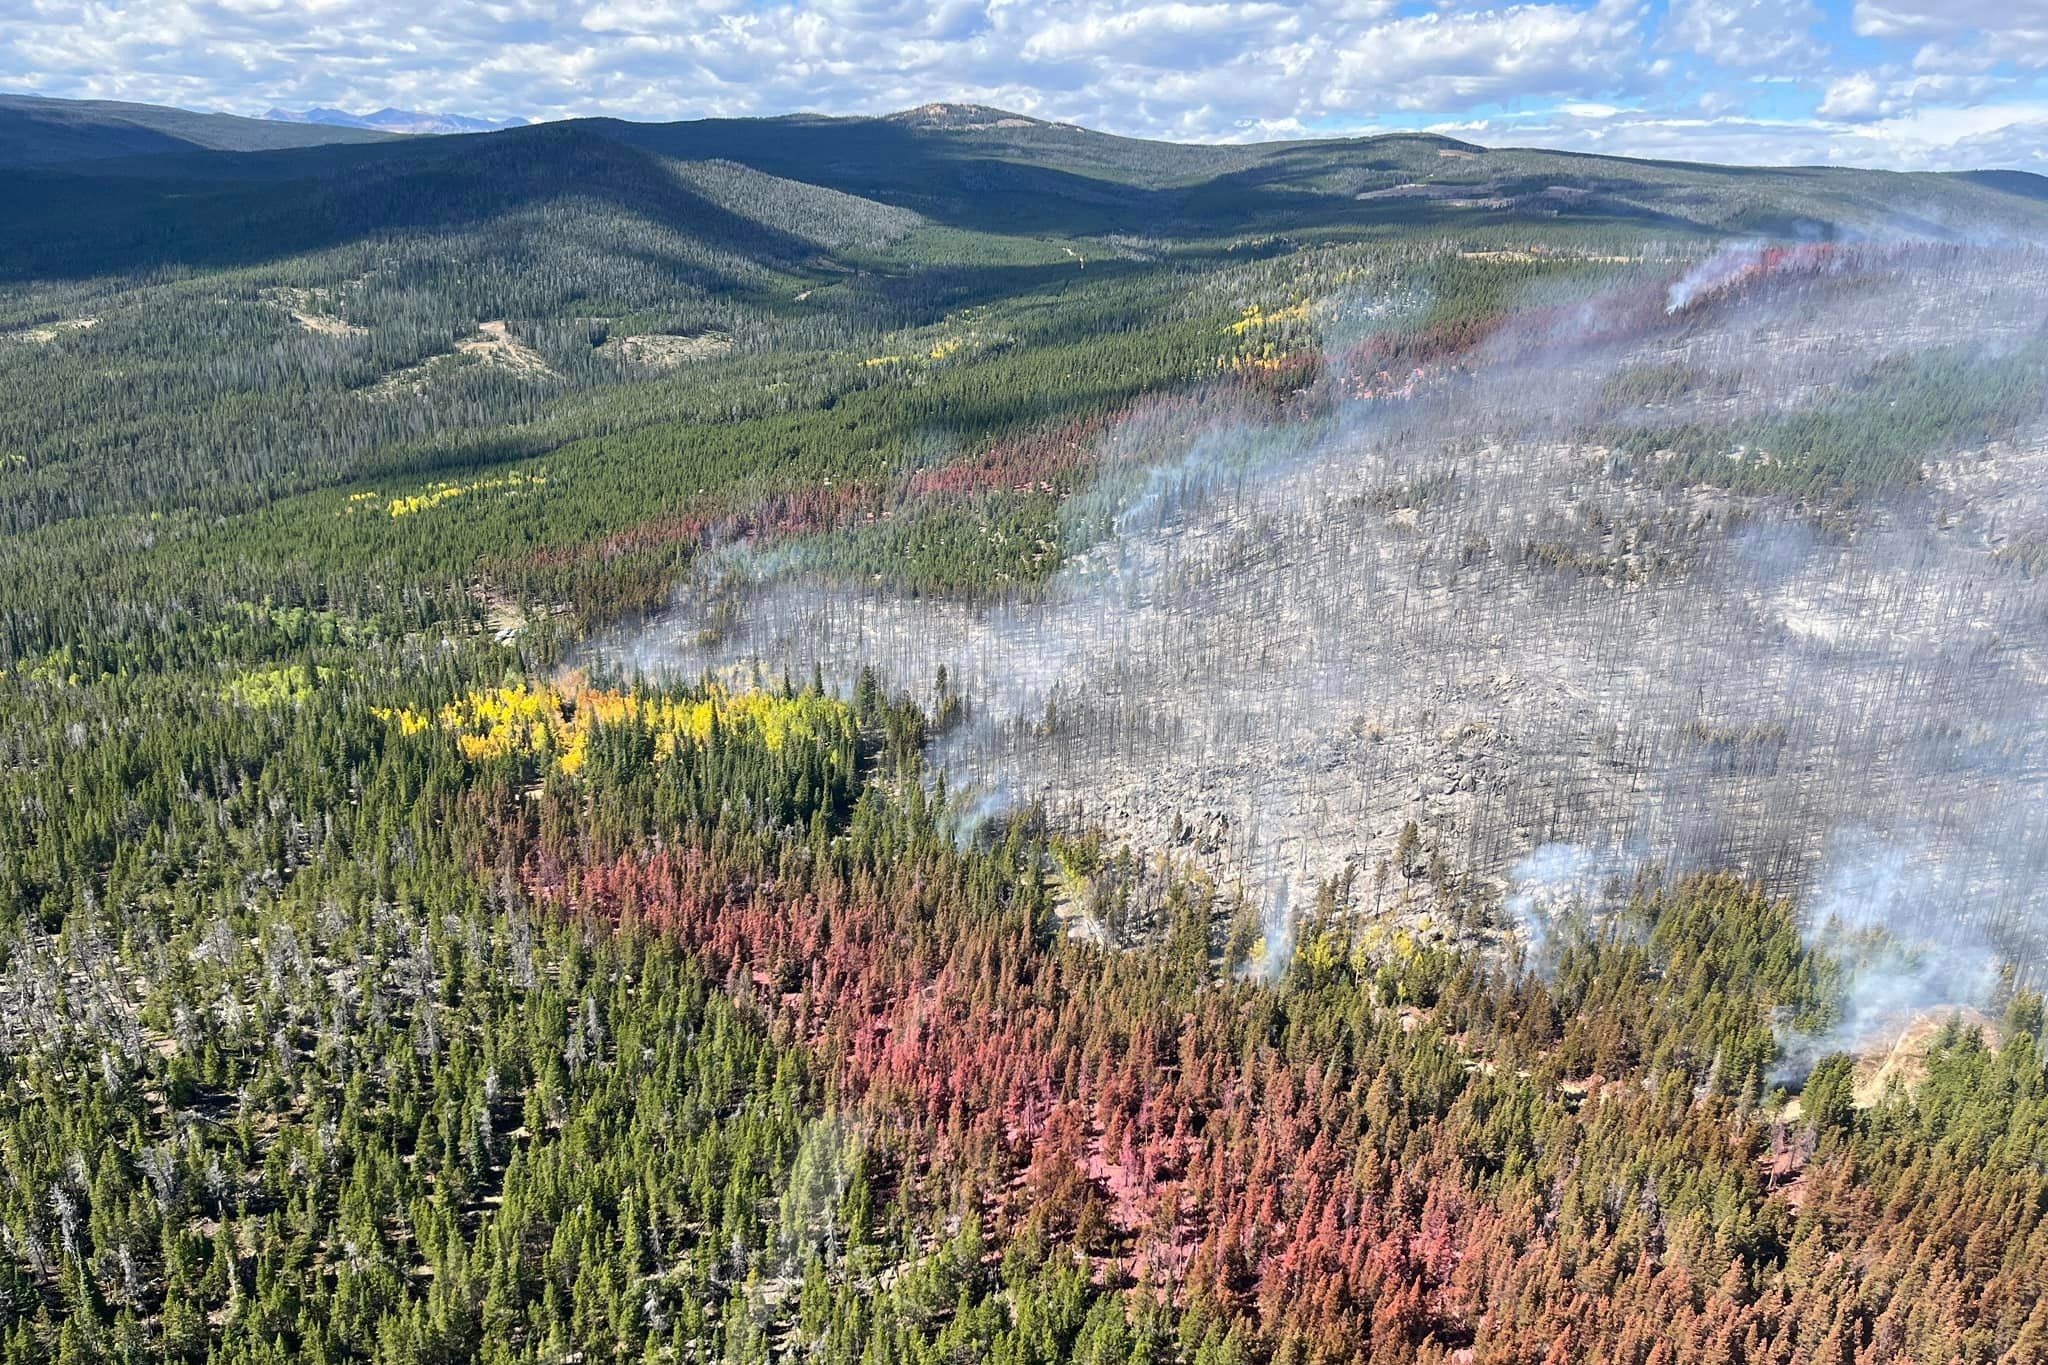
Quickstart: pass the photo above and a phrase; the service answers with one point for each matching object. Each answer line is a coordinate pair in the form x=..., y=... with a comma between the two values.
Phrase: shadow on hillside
x=215, y=210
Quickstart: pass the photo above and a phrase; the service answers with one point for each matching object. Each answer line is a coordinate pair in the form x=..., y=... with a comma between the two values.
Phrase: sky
x=1909, y=84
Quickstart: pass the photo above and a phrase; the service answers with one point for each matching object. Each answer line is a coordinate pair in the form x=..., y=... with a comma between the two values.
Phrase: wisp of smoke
x=1276, y=948
x=1713, y=274
x=1872, y=913
x=1551, y=887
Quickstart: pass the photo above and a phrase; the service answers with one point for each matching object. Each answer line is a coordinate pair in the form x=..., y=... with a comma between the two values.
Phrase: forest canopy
x=436, y=924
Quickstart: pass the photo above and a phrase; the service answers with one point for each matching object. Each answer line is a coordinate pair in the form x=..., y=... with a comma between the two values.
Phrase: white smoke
x=1460, y=611
x=1276, y=949
x=1551, y=889
x=1887, y=912
x=1714, y=274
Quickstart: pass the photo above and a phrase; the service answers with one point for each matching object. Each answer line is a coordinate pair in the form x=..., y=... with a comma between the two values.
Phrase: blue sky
x=1917, y=84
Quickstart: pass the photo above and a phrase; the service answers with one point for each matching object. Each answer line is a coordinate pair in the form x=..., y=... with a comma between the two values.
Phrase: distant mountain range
x=394, y=121
x=102, y=187
x=35, y=131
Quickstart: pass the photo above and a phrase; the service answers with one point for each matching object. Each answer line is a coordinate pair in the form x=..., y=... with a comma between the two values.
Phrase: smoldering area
x=1456, y=603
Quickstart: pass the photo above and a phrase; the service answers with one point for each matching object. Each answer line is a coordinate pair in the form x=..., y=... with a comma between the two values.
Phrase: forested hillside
x=546, y=812
x=36, y=132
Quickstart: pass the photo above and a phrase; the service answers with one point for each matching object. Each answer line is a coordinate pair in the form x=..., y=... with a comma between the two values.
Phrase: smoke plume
x=1464, y=601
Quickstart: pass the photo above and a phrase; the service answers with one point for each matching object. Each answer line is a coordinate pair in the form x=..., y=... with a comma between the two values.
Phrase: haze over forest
x=946, y=737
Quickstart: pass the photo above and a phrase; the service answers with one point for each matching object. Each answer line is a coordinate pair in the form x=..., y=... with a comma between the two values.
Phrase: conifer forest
x=951, y=740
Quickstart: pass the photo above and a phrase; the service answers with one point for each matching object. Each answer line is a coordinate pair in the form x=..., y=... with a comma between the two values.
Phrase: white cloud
x=2008, y=135
x=1958, y=58
x=1889, y=93
x=1982, y=32
x=1853, y=96
x=1746, y=34
x=1163, y=34
x=1908, y=18
x=1437, y=61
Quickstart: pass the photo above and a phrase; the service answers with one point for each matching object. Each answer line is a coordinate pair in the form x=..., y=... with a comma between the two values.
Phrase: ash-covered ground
x=1465, y=607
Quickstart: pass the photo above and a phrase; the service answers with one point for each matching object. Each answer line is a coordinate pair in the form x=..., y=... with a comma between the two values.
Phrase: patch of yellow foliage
x=408, y=722
x=557, y=722
x=55, y=669
x=1266, y=361
x=287, y=686
x=438, y=493
x=945, y=348
x=1255, y=317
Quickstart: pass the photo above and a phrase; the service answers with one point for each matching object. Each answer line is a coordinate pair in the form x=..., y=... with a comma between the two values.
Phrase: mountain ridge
x=133, y=193
x=37, y=130
x=392, y=120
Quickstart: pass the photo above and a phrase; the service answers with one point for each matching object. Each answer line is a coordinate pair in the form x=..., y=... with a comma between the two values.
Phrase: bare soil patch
x=43, y=336
x=309, y=309
x=494, y=344
x=660, y=352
